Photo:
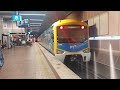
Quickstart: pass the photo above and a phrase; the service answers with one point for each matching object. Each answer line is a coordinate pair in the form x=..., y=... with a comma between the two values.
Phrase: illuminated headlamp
x=60, y=51
x=86, y=50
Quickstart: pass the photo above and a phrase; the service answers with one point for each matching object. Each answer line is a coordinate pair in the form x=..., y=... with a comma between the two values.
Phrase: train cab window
x=72, y=35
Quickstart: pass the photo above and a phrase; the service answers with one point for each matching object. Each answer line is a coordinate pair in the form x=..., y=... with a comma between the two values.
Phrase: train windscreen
x=72, y=34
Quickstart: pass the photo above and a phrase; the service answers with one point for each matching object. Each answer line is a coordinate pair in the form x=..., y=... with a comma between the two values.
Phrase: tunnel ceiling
x=39, y=21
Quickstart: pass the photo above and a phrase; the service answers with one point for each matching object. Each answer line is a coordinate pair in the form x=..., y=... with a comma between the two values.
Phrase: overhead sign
x=23, y=26
x=23, y=23
x=20, y=23
x=16, y=18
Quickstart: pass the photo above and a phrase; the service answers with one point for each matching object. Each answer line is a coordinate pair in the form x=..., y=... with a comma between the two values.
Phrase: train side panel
x=46, y=40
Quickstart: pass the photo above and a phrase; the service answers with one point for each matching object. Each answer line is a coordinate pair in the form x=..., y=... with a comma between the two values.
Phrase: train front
x=72, y=42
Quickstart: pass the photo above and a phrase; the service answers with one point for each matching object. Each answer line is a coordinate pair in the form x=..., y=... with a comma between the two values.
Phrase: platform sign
x=23, y=23
x=16, y=18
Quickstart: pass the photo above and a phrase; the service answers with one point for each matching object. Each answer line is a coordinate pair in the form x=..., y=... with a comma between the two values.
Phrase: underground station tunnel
x=60, y=45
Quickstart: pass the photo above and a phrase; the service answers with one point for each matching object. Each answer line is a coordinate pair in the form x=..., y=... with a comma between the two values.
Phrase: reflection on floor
x=25, y=62
x=87, y=70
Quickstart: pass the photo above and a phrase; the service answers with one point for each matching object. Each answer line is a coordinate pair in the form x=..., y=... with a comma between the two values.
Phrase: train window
x=72, y=35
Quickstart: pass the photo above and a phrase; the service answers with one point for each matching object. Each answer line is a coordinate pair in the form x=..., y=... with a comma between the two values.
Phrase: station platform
x=33, y=62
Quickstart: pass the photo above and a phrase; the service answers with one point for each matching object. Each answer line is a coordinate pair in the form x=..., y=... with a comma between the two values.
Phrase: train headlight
x=86, y=50
x=60, y=52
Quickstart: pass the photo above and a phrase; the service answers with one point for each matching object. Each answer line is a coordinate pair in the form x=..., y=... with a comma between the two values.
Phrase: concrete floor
x=25, y=62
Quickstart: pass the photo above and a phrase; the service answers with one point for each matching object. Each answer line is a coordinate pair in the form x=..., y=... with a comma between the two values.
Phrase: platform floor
x=25, y=62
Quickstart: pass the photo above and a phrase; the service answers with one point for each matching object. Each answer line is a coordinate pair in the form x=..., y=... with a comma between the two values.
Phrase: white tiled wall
x=12, y=28
x=107, y=23
x=113, y=22
x=104, y=24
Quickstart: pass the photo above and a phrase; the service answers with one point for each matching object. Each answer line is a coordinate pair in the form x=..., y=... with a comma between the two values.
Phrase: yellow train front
x=68, y=40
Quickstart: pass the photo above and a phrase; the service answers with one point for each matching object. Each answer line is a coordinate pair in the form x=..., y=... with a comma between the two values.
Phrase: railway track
x=85, y=70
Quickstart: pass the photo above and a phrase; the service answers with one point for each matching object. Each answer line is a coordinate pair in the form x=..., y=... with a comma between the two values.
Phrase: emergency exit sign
x=16, y=18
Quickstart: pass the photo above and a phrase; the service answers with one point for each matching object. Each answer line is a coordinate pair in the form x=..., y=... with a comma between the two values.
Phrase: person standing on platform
x=20, y=41
x=14, y=43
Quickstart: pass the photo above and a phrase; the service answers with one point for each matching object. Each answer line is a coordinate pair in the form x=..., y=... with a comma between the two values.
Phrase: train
x=67, y=40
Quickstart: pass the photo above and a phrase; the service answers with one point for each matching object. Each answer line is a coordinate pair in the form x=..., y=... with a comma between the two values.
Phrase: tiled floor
x=102, y=71
x=25, y=63
x=62, y=71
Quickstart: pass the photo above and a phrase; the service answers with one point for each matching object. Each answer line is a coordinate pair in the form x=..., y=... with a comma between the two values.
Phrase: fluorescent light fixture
x=7, y=16
x=34, y=27
x=105, y=38
x=35, y=23
x=36, y=20
x=34, y=14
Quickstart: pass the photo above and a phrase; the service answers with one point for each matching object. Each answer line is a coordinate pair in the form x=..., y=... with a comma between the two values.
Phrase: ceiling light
x=35, y=27
x=35, y=23
x=34, y=14
x=36, y=20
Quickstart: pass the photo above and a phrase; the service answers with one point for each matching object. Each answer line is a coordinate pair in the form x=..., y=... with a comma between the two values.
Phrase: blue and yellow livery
x=67, y=37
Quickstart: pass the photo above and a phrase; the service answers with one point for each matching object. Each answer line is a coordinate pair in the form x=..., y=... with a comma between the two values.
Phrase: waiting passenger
x=24, y=42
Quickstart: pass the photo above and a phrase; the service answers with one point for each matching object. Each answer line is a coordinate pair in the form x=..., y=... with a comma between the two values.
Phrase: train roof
x=68, y=22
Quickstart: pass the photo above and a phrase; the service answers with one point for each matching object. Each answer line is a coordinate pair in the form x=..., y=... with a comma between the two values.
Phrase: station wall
x=107, y=24
x=106, y=50
x=9, y=26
